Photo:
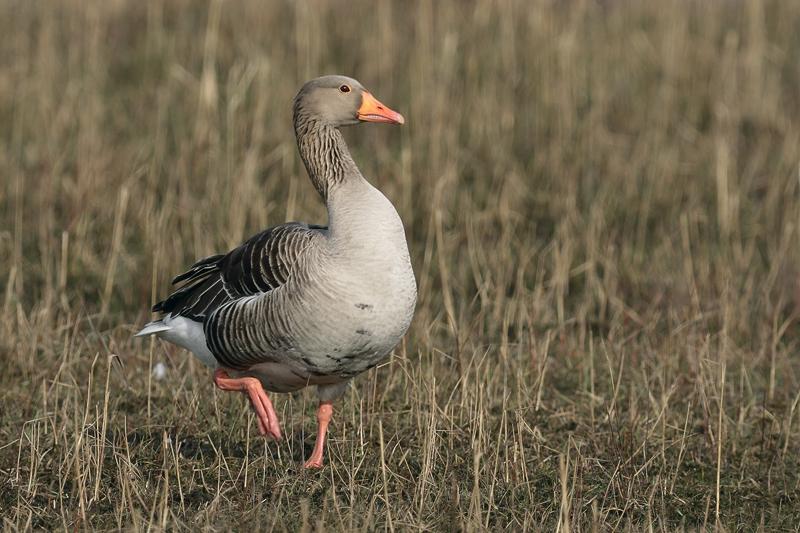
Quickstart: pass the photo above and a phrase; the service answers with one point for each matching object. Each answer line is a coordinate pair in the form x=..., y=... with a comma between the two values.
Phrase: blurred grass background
x=602, y=201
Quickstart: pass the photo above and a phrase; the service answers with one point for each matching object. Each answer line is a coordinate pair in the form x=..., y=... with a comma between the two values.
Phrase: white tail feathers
x=184, y=332
x=153, y=327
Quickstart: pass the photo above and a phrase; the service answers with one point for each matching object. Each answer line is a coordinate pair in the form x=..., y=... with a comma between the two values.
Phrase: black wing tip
x=199, y=269
x=181, y=277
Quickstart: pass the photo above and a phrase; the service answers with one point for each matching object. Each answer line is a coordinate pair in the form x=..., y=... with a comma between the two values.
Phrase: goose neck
x=325, y=154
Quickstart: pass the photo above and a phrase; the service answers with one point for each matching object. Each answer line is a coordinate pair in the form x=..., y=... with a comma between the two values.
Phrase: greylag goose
x=300, y=304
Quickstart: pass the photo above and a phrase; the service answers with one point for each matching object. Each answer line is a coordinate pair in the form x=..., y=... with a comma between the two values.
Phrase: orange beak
x=372, y=110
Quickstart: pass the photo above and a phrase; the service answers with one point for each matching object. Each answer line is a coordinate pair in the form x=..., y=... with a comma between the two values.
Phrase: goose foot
x=265, y=414
x=324, y=413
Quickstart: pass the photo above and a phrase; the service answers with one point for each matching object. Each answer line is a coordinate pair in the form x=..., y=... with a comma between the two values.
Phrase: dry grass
x=602, y=202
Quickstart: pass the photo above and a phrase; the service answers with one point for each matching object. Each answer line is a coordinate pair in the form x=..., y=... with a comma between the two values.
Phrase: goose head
x=341, y=101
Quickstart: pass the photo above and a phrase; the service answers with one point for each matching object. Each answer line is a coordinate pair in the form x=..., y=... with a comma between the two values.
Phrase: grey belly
x=330, y=336
x=284, y=374
x=339, y=350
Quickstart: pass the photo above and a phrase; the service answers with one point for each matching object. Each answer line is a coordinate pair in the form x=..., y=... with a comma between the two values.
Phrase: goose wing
x=261, y=264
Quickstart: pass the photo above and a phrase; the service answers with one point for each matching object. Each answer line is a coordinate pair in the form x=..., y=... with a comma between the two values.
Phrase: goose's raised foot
x=268, y=424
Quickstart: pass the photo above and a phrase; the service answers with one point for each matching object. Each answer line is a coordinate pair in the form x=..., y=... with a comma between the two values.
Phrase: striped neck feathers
x=324, y=153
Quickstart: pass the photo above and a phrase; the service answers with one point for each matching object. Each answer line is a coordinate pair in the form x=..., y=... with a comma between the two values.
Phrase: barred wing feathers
x=261, y=264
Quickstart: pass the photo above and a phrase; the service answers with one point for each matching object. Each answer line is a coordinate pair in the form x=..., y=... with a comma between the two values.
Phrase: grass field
x=602, y=201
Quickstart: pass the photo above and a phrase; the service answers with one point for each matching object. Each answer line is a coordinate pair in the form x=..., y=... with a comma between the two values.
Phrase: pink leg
x=324, y=413
x=267, y=418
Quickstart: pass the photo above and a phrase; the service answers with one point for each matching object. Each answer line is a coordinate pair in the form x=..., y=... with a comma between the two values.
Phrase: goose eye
x=345, y=88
